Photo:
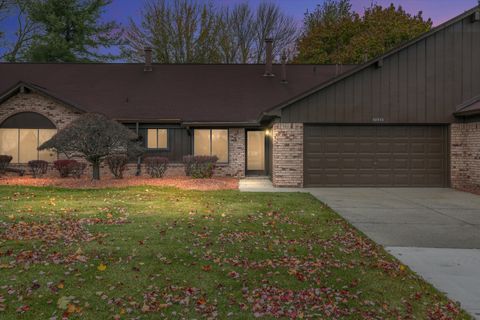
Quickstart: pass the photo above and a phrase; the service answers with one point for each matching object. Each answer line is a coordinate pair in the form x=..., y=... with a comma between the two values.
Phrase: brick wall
x=61, y=115
x=287, y=167
x=465, y=155
x=234, y=168
x=236, y=155
x=33, y=102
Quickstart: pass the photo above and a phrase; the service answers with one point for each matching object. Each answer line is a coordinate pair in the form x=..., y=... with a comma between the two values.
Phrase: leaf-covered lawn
x=150, y=253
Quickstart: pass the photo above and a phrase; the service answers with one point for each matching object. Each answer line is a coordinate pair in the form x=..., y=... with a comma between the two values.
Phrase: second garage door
x=375, y=156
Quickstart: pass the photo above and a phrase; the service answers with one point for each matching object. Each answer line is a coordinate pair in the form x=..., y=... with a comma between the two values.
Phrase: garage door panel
x=375, y=156
x=435, y=164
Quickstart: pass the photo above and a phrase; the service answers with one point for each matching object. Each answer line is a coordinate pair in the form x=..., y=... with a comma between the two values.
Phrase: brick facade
x=465, y=155
x=236, y=155
x=61, y=115
x=287, y=166
x=56, y=112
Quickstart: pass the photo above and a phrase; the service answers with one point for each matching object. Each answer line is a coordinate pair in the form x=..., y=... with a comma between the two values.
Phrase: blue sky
x=438, y=10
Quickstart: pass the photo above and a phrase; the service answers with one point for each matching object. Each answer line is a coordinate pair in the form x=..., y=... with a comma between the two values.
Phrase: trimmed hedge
x=77, y=169
x=117, y=164
x=38, y=167
x=4, y=162
x=70, y=168
x=200, y=166
x=64, y=167
x=156, y=166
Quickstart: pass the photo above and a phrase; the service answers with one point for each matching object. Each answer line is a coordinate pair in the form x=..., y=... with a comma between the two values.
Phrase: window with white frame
x=211, y=142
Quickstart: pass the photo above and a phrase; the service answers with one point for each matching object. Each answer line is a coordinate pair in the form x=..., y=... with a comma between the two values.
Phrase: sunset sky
x=438, y=10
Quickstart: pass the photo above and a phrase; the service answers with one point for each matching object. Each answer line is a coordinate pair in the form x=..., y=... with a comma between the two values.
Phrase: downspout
x=139, y=159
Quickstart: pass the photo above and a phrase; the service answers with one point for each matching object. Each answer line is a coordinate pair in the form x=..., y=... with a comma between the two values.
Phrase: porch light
x=268, y=132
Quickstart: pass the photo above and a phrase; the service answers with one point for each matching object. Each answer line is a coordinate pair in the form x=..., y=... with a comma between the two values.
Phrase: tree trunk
x=96, y=170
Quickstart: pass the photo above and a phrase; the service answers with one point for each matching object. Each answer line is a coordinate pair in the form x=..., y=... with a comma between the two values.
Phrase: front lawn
x=151, y=253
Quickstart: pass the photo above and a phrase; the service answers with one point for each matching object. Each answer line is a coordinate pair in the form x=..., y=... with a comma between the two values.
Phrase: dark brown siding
x=422, y=83
x=375, y=155
x=179, y=142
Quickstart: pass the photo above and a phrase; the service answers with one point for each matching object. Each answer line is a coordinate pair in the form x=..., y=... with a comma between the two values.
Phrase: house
x=408, y=118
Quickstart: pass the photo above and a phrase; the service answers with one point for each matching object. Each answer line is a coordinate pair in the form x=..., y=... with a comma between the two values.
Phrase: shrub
x=4, y=162
x=117, y=164
x=199, y=166
x=77, y=169
x=65, y=167
x=156, y=166
x=38, y=167
x=188, y=164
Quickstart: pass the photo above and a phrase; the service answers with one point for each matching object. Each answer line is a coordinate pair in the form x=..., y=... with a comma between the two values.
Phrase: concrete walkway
x=435, y=231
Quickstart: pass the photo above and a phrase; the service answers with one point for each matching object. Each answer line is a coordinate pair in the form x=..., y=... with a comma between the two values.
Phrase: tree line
x=197, y=31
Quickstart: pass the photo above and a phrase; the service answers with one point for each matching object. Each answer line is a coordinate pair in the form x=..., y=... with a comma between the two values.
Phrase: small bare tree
x=94, y=137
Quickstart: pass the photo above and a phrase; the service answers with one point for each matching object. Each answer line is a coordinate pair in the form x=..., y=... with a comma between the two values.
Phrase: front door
x=256, y=152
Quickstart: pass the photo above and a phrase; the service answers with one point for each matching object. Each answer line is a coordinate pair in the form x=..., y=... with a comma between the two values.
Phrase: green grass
x=191, y=254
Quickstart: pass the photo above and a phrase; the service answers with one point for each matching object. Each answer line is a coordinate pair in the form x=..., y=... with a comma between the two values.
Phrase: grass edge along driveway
x=150, y=252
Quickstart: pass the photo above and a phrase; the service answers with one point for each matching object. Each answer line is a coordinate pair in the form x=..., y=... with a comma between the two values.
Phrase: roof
x=188, y=93
x=377, y=60
x=19, y=86
x=469, y=108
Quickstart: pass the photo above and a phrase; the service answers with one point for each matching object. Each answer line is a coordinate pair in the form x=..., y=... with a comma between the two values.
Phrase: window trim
x=168, y=139
x=210, y=129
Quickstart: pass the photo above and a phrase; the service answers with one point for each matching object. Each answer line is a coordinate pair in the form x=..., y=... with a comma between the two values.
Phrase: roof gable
x=378, y=61
x=469, y=108
x=21, y=87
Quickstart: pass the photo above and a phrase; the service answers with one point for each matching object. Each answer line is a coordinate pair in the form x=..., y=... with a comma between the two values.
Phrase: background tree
x=189, y=31
x=334, y=34
x=94, y=137
x=3, y=12
x=71, y=31
x=272, y=23
x=179, y=31
x=14, y=48
x=237, y=39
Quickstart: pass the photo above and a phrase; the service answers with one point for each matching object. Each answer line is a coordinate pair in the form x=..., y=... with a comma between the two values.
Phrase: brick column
x=236, y=155
x=465, y=155
x=287, y=167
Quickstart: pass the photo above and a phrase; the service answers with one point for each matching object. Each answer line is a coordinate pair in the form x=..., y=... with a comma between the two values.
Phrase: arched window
x=22, y=133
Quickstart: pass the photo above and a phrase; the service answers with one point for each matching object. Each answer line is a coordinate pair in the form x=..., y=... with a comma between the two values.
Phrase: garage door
x=375, y=156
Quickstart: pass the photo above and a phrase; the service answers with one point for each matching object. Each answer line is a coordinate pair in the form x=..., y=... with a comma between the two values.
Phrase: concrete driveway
x=409, y=217
x=436, y=232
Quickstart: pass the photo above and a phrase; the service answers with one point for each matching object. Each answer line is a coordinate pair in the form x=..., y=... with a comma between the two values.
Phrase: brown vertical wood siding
x=421, y=83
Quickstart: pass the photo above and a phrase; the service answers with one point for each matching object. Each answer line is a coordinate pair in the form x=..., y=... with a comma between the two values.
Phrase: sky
x=438, y=10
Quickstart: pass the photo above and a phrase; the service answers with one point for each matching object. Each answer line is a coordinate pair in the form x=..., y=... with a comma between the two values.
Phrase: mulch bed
x=186, y=183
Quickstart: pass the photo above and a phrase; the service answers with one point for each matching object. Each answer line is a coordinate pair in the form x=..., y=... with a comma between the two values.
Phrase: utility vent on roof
x=148, y=59
x=268, y=57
